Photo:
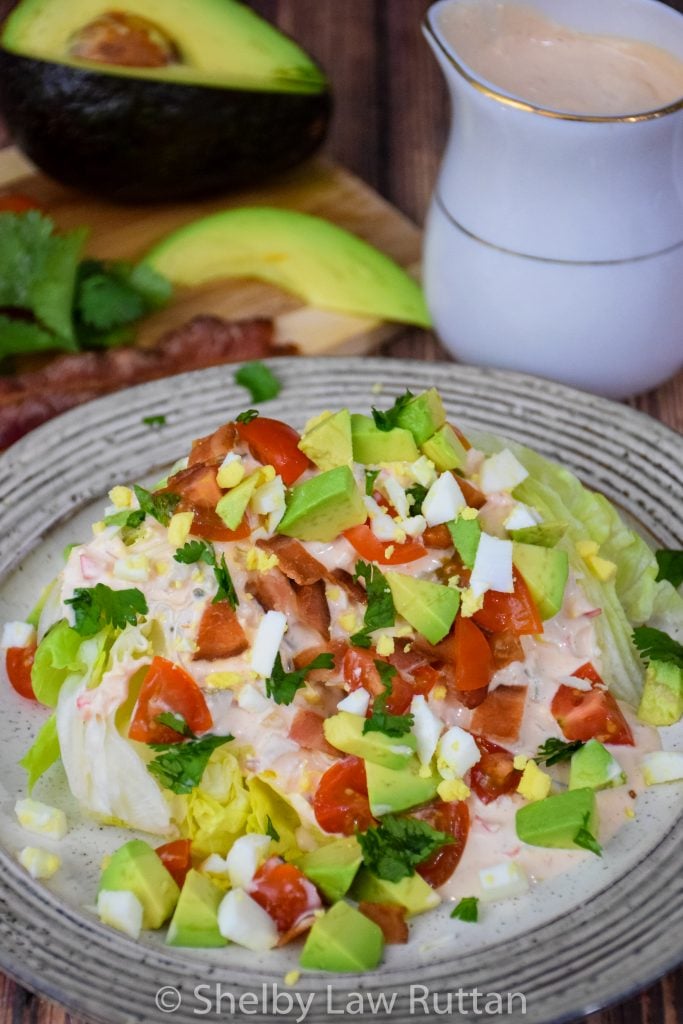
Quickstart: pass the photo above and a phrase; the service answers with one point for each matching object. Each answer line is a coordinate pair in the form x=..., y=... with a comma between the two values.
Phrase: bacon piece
x=212, y=449
x=500, y=715
x=505, y=647
x=345, y=580
x=274, y=592
x=197, y=487
x=312, y=607
x=391, y=919
x=471, y=698
x=294, y=560
x=437, y=537
x=337, y=648
x=220, y=634
x=472, y=495
x=307, y=731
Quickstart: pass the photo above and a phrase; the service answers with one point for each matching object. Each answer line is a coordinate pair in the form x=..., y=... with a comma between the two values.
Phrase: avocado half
x=150, y=100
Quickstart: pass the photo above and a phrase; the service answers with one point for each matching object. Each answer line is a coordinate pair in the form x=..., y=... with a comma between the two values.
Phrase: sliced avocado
x=391, y=791
x=233, y=505
x=445, y=449
x=135, y=867
x=345, y=732
x=423, y=415
x=343, y=940
x=324, y=506
x=430, y=608
x=556, y=821
x=545, y=535
x=323, y=264
x=413, y=893
x=327, y=442
x=195, y=921
x=371, y=446
x=545, y=572
x=662, y=700
x=593, y=767
x=332, y=868
x=466, y=534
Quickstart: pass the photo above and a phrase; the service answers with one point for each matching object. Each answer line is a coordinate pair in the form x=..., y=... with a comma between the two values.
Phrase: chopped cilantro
x=394, y=848
x=388, y=419
x=259, y=380
x=380, y=720
x=670, y=565
x=282, y=686
x=247, y=417
x=553, y=751
x=154, y=421
x=130, y=518
x=654, y=645
x=196, y=551
x=380, y=611
x=585, y=838
x=175, y=722
x=100, y=606
x=370, y=477
x=111, y=296
x=160, y=506
x=417, y=494
x=467, y=909
x=180, y=766
x=226, y=588
x=272, y=831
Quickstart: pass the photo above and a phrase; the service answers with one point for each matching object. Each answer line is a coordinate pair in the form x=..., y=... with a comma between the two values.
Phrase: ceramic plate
x=575, y=943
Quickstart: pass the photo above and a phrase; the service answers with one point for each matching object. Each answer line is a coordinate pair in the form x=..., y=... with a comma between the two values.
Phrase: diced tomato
x=590, y=714
x=505, y=647
x=501, y=714
x=453, y=819
x=176, y=858
x=359, y=669
x=425, y=678
x=494, y=774
x=473, y=658
x=472, y=495
x=168, y=688
x=18, y=204
x=284, y=892
x=437, y=537
x=515, y=612
x=341, y=801
x=208, y=525
x=19, y=663
x=213, y=448
x=373, y=550
x=275, y=444
x=220, y=634
x=390, y=917
x=307, y=730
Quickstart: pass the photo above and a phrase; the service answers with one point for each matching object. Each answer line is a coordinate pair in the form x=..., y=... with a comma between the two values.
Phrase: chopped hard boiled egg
x=534, y=784
x=501, y=472
x=121, y=497
x=520, y=518
x=41, y=818
x=134, y=568
x=503, y=881
x=242, y=920
x=444, y=501
x=427, y=728
x=356, y=703
x=251, y=700
x=245, y=857
x=121, y=910
x=231, y=472
x=453, y=789
x=39, y=863
x=267, y=642
x=215, y=865
x=17, y=634
x=662, y=766
x=492, y=566
x=457, y=752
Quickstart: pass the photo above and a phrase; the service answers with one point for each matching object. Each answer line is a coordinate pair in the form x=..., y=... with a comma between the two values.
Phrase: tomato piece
x=425, y=678
x=453, y=819
x=168, y=687
x=501, y=714
x=359, y=669
x=373, y=550
x=473, y=659
x=199, y=493
x=340, y=802
x=176, y=858
x=590, y=714
x=460, y=436
x=18, y=204
x=19, y=663
x=275, y=444
x=284, y=892
x=515, y=612
x=220, y=634
x=494, y=774
x=390, y=917
x=438, y=537
x=213, y=448
x=472, y=495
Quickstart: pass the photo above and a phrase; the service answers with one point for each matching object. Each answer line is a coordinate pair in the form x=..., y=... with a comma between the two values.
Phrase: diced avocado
x=593, y=767
x=195, y=921
x=332, y=868
x=430, y=608
x=445, y=449
x=324, y=506
x=557, y=820
x=391, y=791
x=343, y=940
x=135, y=867
x=545, y=535
x=371, y=446
x=345, y=732
x=413, y=893
x=545, y=572
x=327, y=440
x=233, y=505
x=423, y=415
x=662, y=700
x=466, y=534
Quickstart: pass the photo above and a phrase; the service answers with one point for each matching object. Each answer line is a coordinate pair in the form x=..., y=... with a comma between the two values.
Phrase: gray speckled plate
x=575, y=943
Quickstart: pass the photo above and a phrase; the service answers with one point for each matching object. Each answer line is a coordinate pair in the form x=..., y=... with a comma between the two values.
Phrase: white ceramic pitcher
x=554, y=241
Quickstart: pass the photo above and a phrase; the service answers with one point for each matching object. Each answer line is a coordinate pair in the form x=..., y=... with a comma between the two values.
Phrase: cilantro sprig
x=154, y=421
x=196, y=551
x=380, y=611
x=180, y=766
x=381, y=720
x=670, y=565
x=201, y=551
x=554, y=751
x=159, y=506
x=417, y=494
x=175, y=722
x=585, y=838
x=259, y=380
x=272, y=831
x=247, y=417
x=654, y=645
x=388, y=419
x=393, y=849
x=467, y=909
x=100, y=606
x=127, y=518
x=282, y=686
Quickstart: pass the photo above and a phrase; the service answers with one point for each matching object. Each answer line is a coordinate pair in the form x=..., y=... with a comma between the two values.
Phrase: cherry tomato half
x=590, y=714
x=363, y=540
x=341, y=801
x=515, y=612
x=284, y=892
x=275, y=444
x=18, y=663
x=494, y=774
x=453, y=819
x=18, y=204
x=176, y=858
x=168, y=688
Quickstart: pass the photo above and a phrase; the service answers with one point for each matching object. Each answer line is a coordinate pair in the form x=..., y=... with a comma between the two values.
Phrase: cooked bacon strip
x=307, y=731
x=437, y=537
x=391, y=919
x=274, y=592
x=505, y=647
x=294, y=560
x=312, y=607
x=344, y=579
x=337, y=648
x=500, y=715
x=212, y=449
x=471, y=698
x=220, y=634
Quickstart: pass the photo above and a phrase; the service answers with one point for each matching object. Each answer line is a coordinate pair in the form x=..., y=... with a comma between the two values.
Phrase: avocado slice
x=662, y=700
x=343, y=940
x=372, y=446
x=466, y=534
x=445, y=449
x=332, y=868
x=391, y=790
x=423, y=415
x=195, y=921
x=233, y=505
x=413, y=893
x=545, y=572
x=545, y=535
x=430, y=608
x=225, y=99
x=593, y=767
x=327, y=440
x=324, y=506
x=345, y=732
x=556, y=821
x=135, y=867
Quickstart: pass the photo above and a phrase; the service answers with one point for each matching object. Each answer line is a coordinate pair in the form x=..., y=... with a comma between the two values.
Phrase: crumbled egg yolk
x=388, y=552
x=471, y=603
x=377, y=389
x=602, y=568
x=291, y=978
x=439, y=693
x=629, y=812
x=41, y=818
x=223, y=680
x=453, y=789
x=179, y=528
x=534, y=784
x=469, y=513
x=334, y=593
x=351, y=622
x=121, y=497
x=312, y=697
x=39, y=863
x=98, y=528
x=587, y=547
x=231, y=474
x=260, y=561
x=385, y=645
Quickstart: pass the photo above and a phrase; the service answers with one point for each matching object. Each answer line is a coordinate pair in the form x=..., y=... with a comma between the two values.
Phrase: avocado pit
x=125, y=40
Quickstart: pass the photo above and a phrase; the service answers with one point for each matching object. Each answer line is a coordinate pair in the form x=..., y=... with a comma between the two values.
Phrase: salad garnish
x=380, y=611
x=585, y=838
x=670, y=565
x=100, y=606
x=157, y=420
x=387, y=419
x=160, y=506
x=393, y=849
x=655, y=645
x=282, y=686
x=380, y=720
x=180, y=766
x=554, y=751
x=467, y=909
x=259, y=380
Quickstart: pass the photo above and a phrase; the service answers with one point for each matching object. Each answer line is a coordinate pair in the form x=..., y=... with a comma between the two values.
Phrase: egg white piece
x=242, y=920
x=492, y=566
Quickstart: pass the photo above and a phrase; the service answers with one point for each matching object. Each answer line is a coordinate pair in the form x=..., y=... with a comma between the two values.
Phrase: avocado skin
x=140, y=140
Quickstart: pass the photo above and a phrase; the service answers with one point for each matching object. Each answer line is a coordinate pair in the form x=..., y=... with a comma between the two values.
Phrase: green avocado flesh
x=423, y=415
x=343, y=940
x=324, y=506
x=545, y=572
x=391, y=791
x=413, y=893
x=662, y=700
x=195, y=921
x=328, y=444
x=332, y=868
x=312, y=258
x=556, y=821
x=593, y=767
x=430, y=608
x=345, y=732
x=445, y=449
x=218, y=42
x=135, y=867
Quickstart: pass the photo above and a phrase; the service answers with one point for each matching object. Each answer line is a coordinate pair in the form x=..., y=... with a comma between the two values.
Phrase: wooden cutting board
x=319, y=187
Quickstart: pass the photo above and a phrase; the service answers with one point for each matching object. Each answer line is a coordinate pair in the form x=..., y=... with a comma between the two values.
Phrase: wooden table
x=390, y=127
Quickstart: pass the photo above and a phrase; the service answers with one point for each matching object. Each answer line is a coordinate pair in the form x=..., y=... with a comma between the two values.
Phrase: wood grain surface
x=390, y=127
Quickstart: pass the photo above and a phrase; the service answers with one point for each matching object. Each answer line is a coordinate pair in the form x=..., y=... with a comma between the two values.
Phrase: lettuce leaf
x=43, y=753
x=215, y=814
x=56, y=658
x=268, y=802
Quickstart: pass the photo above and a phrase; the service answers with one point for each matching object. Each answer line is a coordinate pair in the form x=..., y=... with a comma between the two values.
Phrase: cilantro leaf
x=175, y=722
x=380, y=720
x=417, y=494
x=226, y=588
x=282, y=686
x=670, y=566
x=585, y=838
x=131, y=518
x=111, y=296
x=394, y=848
x=380, y=611
x=553, y=751
x=272, y=831
x=99, y=606
x=180, y=766
x=654, y=645
x=19, y=337
x=259, y=381
x=160, y=506
x=247, y=417
x=196, y=551
x=467, y=909
x=154, y=421
x=388, y=419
